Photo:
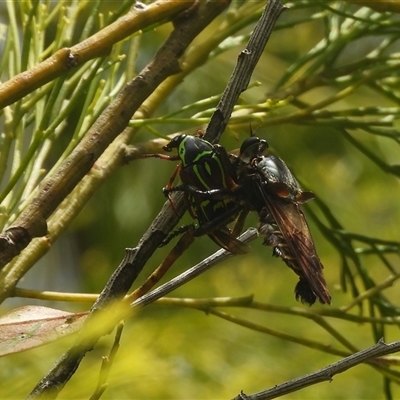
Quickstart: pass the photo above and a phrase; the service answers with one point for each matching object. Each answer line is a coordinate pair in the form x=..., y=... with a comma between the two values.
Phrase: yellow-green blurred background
x=178, y=353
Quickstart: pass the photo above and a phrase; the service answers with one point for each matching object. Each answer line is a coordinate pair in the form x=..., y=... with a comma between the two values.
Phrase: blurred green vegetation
x=318, y=50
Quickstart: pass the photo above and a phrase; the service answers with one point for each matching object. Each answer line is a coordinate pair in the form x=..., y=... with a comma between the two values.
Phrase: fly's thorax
x=280, y=181
x=273, y=169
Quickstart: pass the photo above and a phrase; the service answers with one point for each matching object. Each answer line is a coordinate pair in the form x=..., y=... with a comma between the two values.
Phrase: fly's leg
x=177, y=232
x=215, y=194
x=217, y=222
x=211, y=226
x=239, y=224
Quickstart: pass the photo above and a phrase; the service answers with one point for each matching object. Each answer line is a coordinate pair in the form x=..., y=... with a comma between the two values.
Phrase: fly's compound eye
x=262, y=146
x=252, y=148
x=249, y=144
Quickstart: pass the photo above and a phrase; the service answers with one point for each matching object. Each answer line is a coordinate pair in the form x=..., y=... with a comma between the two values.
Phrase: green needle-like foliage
x=325, y=95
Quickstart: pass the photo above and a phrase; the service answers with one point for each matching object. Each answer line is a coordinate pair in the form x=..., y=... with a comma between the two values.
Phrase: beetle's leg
x=161, y=156
x=169, y=187
x=173, y=176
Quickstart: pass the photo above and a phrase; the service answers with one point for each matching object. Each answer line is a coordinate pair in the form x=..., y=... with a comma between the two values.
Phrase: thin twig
x=33, y=220
x=191, y=273
x=139, y=17
x=183, y=244
x=51, y=384
x=106, y=365
x=325, y=374
x=245, y=66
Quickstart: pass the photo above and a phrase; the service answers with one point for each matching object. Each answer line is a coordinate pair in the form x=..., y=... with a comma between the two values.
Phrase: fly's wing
x=300, y=254
x=224, y=239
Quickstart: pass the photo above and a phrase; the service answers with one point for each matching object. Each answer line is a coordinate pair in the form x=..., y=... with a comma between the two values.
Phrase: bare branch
x=129, y=269
x=97, y=45
x=245, y=66
x=191, y=273
x=120, y=282
x=325, y=374
x=106, y=365
x=32, y=221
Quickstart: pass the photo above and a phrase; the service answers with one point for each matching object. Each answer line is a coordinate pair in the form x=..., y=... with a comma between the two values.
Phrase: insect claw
x=166, y=192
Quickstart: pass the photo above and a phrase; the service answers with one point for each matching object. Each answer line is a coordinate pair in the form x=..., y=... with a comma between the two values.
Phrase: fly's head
x=252, y=148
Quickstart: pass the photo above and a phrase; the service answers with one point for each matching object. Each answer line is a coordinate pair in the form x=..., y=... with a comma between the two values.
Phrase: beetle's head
x=174, y=143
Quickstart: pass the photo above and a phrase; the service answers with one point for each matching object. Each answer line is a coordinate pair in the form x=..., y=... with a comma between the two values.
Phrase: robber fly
x=268, y=187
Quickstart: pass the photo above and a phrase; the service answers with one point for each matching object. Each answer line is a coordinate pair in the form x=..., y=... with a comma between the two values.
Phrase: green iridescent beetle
x=208, y=182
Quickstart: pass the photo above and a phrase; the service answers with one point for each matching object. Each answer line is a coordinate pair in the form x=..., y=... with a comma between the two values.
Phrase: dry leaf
x=32, y=326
